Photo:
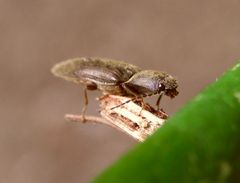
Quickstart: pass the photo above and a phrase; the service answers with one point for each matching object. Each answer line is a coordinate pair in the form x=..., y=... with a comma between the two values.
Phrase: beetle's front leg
x=136, y=96
x=158, y=100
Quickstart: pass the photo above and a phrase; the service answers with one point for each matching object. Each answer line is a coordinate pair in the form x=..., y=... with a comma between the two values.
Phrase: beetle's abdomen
x=107, y=80
x=100, y=76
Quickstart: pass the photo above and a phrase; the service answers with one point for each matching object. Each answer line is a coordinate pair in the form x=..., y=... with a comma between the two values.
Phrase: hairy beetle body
x=116, y=77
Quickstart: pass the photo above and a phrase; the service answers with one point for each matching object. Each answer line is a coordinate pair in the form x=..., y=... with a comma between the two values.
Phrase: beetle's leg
x=136, y=96
x=89, y=86
x=143, y=106
x=127, y=91
x=84, y=109
x=158, y=100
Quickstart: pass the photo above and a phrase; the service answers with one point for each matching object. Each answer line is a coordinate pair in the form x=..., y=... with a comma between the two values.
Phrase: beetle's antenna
x=133, y=99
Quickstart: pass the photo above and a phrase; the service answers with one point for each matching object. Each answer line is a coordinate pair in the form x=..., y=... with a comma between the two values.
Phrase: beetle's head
x=169, y=85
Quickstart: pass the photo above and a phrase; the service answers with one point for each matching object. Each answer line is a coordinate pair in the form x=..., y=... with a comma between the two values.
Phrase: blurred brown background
x=193, y=40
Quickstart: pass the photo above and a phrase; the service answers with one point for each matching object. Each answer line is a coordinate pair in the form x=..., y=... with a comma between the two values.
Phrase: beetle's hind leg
x=84, y=109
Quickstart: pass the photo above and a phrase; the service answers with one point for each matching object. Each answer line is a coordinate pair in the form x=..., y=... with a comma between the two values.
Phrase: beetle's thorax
x=149, y=82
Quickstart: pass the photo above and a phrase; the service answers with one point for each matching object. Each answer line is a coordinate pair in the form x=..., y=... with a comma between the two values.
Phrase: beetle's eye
x=161, y=87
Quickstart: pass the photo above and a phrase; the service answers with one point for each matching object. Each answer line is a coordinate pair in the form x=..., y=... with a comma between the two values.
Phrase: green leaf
x=200, y=143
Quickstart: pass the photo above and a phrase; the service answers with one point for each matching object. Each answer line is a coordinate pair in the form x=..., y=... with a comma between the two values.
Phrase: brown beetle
x=116, y=77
